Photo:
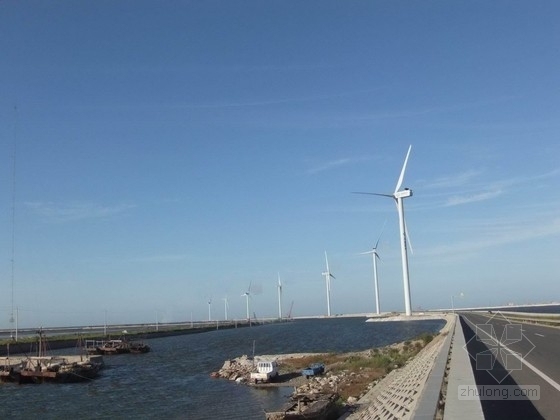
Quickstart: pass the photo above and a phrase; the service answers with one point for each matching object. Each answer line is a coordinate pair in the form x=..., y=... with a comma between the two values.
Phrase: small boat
x=313, y=370
x=56, y=369
x=9, y=372
x=112, y=347
x=45, y=368
x=308, y=407
x=267, y=370
x=138, y=347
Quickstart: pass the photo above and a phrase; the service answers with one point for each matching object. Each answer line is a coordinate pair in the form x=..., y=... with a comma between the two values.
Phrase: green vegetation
x=362, y=368
x=426, y=338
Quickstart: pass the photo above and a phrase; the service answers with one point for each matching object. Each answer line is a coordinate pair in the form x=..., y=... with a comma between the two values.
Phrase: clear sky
x=168, y=153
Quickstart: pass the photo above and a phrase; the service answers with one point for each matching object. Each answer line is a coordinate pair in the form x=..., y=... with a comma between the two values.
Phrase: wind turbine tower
x=328, y=277
x=279, y=297
x=226, y=307
x=375, y=257
x=209, y=309
x=399, y=196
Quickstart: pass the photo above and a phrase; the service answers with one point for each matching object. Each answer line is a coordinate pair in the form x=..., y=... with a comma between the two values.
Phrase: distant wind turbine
x=210, y=309
x=247, y=295
x=226, y=305
x=398, y=196
x=279, y=297
x=375, y=256
x=328, y=275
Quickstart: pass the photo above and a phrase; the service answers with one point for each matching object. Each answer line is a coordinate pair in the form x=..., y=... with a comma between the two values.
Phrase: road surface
x=526, y=355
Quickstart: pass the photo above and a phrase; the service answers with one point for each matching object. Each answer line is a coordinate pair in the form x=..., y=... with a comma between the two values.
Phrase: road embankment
x=29, y=346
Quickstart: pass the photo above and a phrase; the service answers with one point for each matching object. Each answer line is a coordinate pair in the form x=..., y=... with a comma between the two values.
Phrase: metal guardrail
x=118, y=329
x=526, y=317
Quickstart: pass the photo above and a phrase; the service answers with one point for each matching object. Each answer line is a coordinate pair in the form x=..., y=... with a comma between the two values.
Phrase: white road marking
x=540, y=335
x=525, y=362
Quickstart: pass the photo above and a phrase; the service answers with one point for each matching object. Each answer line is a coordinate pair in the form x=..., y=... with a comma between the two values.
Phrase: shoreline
x=353, y=375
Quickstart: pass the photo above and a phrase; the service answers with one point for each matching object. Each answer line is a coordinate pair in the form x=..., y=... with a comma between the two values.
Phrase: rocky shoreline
x=351, y=375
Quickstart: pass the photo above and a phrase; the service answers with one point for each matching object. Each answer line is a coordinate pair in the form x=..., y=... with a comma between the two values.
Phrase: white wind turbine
x=398, y=196
x=375, y=256
x=279, y=297
x=247, y=295
x=210, y=309
x=328, y=275
x=226, y=306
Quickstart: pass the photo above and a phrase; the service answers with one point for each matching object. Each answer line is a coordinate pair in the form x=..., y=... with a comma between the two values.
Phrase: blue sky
x=168, y=153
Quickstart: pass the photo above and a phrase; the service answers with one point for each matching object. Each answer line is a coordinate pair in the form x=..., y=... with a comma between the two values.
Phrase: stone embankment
x=398, y=394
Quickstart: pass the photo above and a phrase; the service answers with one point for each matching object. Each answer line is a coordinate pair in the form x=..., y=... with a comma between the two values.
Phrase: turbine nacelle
x=373, y=251
x=407, y=192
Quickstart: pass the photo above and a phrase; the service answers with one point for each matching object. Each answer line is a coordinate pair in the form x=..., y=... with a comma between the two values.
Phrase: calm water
x=173, y=381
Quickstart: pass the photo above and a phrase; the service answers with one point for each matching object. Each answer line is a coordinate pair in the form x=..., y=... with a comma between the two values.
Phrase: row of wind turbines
x=247, y=296
x=398, y=195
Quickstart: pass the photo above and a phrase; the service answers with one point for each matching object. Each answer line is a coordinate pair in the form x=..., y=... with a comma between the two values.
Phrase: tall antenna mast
x=13, y=216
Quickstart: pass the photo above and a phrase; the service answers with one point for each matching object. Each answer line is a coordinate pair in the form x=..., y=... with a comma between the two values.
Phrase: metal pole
x=17, y=320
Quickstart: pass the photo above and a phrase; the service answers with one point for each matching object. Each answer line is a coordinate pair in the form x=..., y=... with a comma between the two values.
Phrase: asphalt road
x=537, y=363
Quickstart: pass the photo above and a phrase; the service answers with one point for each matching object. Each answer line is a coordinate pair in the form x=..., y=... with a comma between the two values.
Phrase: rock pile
x=331, y=383
x=238, y=369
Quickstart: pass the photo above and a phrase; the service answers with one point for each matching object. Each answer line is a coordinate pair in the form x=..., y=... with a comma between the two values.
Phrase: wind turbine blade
x=249, y=288
x=408, y=238
x=382, y=229
x=332, y=276
x=367, y=252
x=368, y=193
x=399, y=183
x=327, y=261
